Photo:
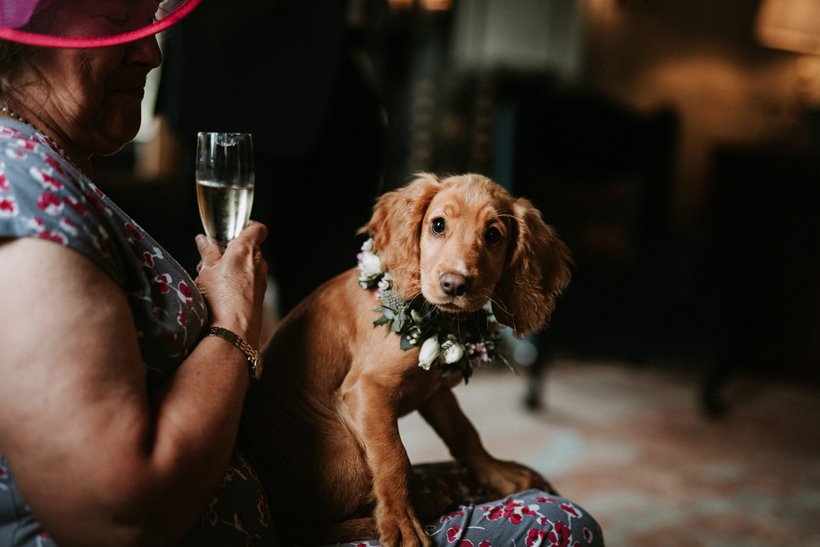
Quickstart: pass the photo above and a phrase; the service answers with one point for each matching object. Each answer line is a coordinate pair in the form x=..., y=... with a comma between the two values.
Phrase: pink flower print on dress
x=25, y=144
x=514, y=511
x=48, y=181
x=535, y=537
x=8, y=207
x=14, y=154
x=54, y=163
x=96, y=202
x=38, y=225
x=56, y=237
x=76, y=204
x=182, y=318
x=134, y=231
x=161, y=283
x=42, y=538
x=4, y=183
x=570, y=509
x=588, y=535
x=561, y=536
x=148, y=259
x=453, y=534
x=530, y=510
x=50, y=204
x=68, y=226
x=185, y=294
x=511, y=510
x=451, y=516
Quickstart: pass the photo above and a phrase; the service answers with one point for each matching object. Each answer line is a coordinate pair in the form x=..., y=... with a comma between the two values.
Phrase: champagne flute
x=225, y=181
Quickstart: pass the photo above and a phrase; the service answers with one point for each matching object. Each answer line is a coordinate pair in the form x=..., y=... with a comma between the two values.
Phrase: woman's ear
x=396, y=227
x=537, y=272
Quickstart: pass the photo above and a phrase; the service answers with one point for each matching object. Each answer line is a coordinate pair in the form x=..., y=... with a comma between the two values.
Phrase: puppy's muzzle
x=455, y=284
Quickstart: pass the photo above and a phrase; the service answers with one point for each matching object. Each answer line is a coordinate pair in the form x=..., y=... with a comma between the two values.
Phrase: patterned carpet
x=630, y=444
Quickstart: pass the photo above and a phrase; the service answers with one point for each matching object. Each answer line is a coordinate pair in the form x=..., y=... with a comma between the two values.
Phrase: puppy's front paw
x=401, y=528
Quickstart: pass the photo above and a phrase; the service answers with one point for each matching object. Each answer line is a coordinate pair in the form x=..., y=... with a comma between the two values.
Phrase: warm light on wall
x=793, y=25
x=428, y=5
x=436, y=5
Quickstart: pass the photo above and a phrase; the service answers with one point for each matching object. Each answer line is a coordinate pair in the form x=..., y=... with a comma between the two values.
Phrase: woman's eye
x=492, y=235
x=438, y=226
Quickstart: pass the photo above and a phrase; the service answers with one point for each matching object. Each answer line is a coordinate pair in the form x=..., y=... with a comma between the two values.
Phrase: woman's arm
x=97, y=461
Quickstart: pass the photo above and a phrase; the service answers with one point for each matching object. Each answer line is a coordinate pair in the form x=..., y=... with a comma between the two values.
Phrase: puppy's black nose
x=455, y=284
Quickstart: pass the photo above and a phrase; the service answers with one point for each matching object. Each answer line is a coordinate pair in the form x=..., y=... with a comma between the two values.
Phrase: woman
x=119, y=411
x=117, y=418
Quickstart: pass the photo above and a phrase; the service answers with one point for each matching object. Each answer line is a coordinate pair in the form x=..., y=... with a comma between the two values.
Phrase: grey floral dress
x=44, y=196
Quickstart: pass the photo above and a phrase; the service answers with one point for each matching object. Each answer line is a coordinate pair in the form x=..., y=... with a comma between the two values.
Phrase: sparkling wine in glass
x=224, y=183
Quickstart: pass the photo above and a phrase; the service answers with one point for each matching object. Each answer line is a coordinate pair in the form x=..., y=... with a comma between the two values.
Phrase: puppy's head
x=464, y=240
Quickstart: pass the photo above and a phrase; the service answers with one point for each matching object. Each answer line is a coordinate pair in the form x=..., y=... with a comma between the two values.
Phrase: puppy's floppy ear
x=396, y=229
x=538, y=270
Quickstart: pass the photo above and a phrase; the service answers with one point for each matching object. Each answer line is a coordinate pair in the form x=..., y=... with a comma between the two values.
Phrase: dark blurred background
x=674, y=145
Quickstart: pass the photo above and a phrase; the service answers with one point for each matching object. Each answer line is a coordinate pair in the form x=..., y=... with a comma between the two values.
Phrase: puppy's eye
x=492, y=236
x=438, y=225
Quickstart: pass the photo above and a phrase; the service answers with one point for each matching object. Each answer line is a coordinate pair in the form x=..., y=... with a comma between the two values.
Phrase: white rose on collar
x=429, y=352
x=369, y=264
x=453, y=351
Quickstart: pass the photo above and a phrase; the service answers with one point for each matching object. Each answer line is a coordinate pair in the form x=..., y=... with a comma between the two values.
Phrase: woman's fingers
x=233, y=280
x=254, y=232
x=209, y=251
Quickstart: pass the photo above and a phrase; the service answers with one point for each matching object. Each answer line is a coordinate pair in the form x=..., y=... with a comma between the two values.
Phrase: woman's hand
x=234, y=282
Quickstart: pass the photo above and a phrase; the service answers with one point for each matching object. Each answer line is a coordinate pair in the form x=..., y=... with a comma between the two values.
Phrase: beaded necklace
x=5, y=110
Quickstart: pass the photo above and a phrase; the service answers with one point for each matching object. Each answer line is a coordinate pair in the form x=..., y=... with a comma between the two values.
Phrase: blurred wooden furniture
x=601, y=173
x=766, y=260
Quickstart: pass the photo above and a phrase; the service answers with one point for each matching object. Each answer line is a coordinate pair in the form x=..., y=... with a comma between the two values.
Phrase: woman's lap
x=239, y=514
x=526, y=519
x=530, y=518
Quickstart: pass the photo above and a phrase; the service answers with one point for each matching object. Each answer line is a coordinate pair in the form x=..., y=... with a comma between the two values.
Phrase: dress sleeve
x=41, y=197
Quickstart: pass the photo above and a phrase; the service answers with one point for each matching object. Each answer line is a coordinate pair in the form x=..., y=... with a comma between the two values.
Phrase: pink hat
x=87, y=23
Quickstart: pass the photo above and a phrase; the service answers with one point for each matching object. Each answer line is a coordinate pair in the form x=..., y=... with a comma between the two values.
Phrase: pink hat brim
x=48, y=40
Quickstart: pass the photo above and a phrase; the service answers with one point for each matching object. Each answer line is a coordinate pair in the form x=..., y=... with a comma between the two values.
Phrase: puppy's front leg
x=444, y=414
x=369, y=409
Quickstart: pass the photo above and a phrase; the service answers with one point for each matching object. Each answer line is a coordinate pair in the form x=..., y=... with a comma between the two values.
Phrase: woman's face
x=93, y=96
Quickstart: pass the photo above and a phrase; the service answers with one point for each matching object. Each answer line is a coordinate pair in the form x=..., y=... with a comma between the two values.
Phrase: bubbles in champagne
x=224, y=209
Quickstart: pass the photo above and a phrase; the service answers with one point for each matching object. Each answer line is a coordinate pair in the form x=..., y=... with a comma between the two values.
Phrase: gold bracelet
x=252, y=355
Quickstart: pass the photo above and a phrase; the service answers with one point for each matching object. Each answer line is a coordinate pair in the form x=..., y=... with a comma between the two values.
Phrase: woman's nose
x=145, y=51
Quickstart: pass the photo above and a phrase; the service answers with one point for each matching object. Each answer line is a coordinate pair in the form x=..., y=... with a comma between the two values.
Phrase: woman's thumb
x=208, y=249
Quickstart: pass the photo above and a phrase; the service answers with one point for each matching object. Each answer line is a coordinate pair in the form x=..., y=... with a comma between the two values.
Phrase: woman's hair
x=12, y=59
